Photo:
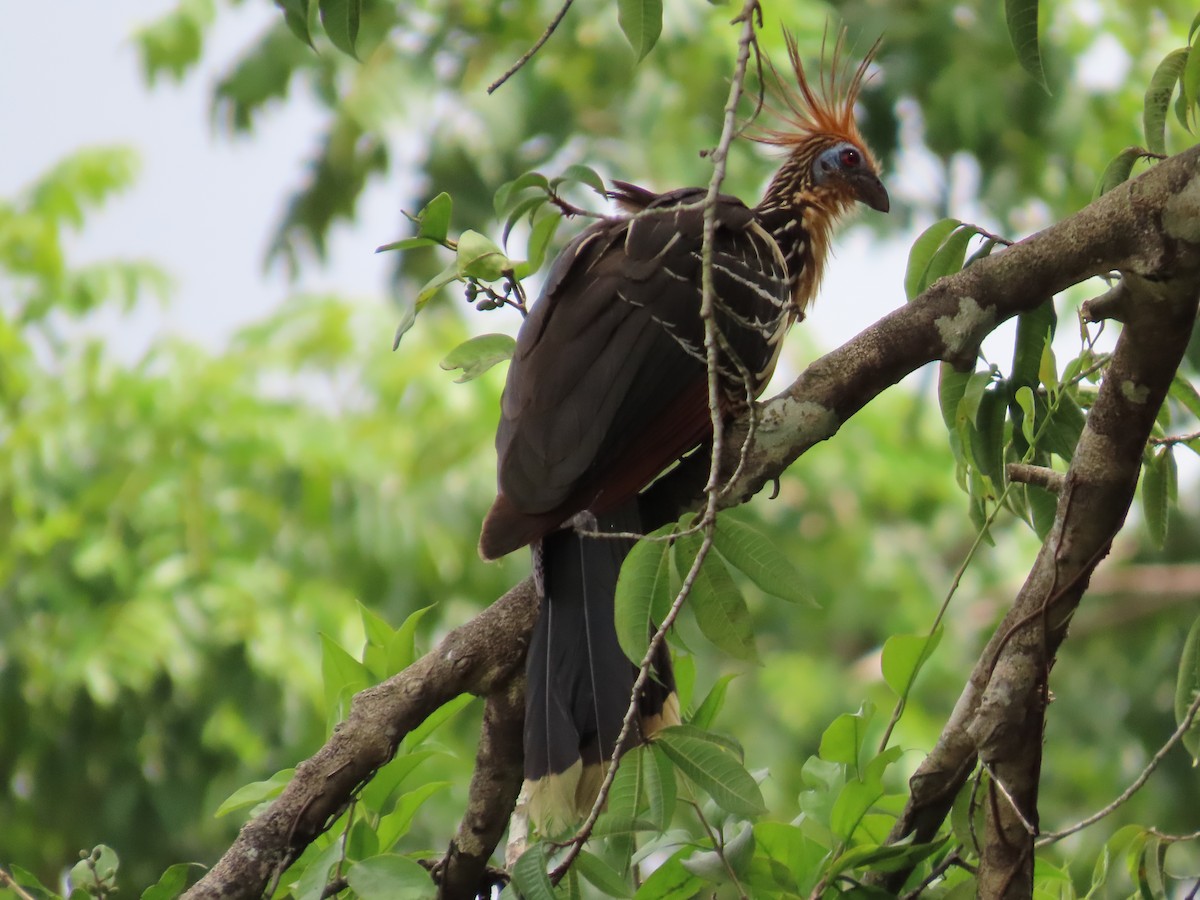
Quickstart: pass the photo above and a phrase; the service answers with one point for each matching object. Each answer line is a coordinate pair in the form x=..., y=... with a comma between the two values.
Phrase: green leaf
x=434, y=220
x=528, y=206
x=1158, y=98
x=735, y=855
x=340, y=18
x=256, y=792
x=842, y=741
x=1119, y=168
x=886, y=857
x=510, y=190
x=952, y=385
x=1022, y=18
x=1183, y=107
x=602, y=875
x=402, y=645
x=1190, y=82
x=445, y=712
x=31, y=885
x=1066, y=424
x=1149, y=875
x=1034, y=330
x=626, y=797
x=539, y=239
x=713, y=769
x=377, y=791
x=478, y=355
x=922, y=252
x=395, y=824
x=671, y=881
x=411, y=243
x=759, y=558
x=852, y=803
x=1183, y=392
x=948, y=258
x=988, y=435
x=479, y=257
x=1043, y=507
x=715, y=600
x=641, y=22
x=904, y=655
x=171, y=883
x=388, y=876
x=643, y=593
x=432, y=286
x=658, y=777
x=730, y=744
x=311, y=885
x=377, y=633
x=1024, y=399
x=585, y=174
x=295, y=16
x=983, y=252
x=1156, y=494
x=712, y=703
x=529, y=875
x=1187, y=686
x=343, y=676
x=407, y=318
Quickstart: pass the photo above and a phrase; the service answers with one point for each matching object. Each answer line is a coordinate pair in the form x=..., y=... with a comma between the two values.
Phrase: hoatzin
x=608, y=387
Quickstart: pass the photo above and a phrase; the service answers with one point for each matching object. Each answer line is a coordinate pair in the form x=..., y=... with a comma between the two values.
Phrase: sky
x=204, y=204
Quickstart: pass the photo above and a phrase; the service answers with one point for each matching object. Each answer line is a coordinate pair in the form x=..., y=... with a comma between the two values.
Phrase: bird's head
x=829, y=165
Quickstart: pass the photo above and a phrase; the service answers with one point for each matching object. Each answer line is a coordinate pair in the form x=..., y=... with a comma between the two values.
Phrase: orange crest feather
x=827, y=109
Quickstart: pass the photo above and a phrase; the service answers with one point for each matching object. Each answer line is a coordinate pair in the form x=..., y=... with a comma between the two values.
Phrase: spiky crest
x=824, y=111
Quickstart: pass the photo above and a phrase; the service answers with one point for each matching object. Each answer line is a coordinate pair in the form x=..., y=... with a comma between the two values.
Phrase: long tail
x=579, y=679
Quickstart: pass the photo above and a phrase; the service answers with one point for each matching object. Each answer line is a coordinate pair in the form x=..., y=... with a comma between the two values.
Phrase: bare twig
x=1174, y=439
x=1038, y=476
x=950, y=859
x=712, y=348
x=537, y=45
x=994, y=783
x=9, y=882
x=1133, y=788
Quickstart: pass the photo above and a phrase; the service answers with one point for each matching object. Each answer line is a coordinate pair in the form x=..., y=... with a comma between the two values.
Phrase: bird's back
x=608, y=384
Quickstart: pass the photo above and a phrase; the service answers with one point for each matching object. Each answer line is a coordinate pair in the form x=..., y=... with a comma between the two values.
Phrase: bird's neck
x=801, y=228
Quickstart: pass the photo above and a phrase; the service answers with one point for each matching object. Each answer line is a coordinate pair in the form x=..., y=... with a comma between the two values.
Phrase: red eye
x=850, y=158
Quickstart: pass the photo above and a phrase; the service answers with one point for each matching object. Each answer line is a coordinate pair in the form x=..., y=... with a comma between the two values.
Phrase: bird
x=608, y=387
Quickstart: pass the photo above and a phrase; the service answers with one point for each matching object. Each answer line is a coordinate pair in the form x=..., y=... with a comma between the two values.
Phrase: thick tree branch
x=999, y=716
x=480, y=657
x=494, y=788
x=1149, y=227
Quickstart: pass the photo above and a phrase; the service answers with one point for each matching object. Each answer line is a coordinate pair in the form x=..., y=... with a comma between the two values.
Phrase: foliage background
x=181, y=521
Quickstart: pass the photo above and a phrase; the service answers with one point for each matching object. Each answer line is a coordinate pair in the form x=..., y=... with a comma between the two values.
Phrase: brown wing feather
x=608, y=386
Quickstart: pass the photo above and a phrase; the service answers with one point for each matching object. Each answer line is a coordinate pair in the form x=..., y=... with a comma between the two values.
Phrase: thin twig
x=528, y=54
x=575, y=846
x=1012, y=802
x=1174, y=439
x=951, y=859
x=1039, y=476
x=1142, y=778
x=9, y=882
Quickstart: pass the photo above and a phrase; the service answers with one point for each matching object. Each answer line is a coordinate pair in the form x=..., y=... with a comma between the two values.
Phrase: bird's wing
x=608, y=383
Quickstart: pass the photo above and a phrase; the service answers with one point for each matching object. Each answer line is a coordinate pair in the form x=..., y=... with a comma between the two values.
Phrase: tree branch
x=480, y=657
x=1147, y=227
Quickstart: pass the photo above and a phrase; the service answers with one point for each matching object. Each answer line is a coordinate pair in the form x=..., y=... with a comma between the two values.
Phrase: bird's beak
x=870, y=190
